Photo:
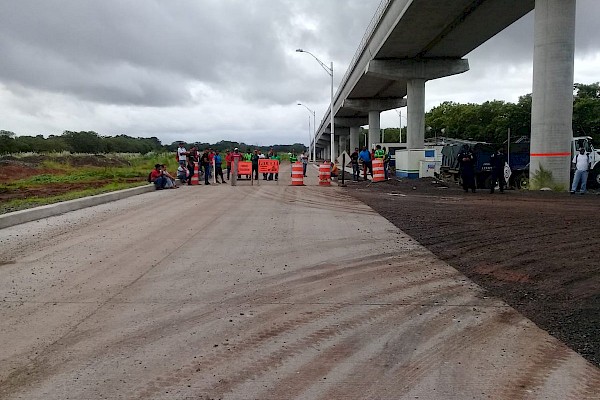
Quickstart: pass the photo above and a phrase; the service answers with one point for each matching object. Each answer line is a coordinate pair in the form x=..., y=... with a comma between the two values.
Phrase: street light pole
x=329, y=70
x=314, y=141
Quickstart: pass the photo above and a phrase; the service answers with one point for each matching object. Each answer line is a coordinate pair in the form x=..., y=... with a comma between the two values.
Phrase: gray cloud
x=181, y=65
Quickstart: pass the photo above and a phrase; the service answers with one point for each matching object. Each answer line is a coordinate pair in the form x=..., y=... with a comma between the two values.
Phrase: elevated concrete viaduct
x=412, y=41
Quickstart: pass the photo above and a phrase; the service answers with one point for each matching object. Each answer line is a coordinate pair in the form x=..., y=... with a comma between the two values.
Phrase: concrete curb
x=20, y=217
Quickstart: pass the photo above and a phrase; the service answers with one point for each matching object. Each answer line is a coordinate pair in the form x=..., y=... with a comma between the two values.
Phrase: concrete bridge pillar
x=354, y=132
x=373, y=107
x=415, y=127
x=416, y=72
x=374, y=128
x=552, y=101
x=336, y=147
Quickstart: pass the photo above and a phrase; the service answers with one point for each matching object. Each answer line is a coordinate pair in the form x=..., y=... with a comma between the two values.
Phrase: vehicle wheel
x=596, y=178
x=522, y=182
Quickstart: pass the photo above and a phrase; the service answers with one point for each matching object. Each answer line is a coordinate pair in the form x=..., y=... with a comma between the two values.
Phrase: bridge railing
x=361, y=47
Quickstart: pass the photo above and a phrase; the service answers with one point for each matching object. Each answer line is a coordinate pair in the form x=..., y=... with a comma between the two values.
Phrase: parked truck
x=518, y=157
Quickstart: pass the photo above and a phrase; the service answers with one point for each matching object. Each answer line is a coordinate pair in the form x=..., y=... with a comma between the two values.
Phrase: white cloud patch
x=206, y=70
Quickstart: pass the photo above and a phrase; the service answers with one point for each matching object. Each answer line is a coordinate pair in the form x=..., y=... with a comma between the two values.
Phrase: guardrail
x=361, y=47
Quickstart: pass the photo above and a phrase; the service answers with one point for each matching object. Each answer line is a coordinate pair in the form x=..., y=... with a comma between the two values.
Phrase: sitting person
x=171, y=184
x=182, y=174
x=156, y=177
x=334, y=170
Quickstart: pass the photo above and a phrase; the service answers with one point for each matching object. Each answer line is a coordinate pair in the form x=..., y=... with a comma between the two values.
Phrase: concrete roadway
x=263, y=292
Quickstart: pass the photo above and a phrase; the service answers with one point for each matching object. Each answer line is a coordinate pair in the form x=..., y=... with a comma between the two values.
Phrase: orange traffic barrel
x=297, y=174
x=324, y=174
x=378, y=172
x=195, y=178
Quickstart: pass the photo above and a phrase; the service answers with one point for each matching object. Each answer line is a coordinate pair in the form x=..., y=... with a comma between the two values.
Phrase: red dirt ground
x=535, y=250
x=13, y=169
x=14, y=172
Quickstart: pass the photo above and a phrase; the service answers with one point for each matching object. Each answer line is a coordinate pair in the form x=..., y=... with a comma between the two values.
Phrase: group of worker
x=188, y=159
x=466, y=161
x=366, y=157
x=210, y=159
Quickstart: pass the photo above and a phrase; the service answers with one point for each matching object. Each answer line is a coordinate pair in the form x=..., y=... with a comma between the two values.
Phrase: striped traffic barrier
x=378, y=172
x=297, y=174
x=196, y=177
x=324, y=174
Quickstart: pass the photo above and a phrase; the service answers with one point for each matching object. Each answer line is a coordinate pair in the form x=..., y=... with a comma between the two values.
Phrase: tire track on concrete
x=341, y=364
x=264, y=336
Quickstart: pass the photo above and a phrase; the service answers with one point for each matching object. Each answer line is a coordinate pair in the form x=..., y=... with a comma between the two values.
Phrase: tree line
x=487, y=122
x=91, y=142
x=490, y=121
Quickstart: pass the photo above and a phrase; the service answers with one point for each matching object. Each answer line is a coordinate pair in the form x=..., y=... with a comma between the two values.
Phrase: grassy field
x=30, y=180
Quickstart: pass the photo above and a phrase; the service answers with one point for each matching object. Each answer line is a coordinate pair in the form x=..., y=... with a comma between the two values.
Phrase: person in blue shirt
x=218, y=167
x=365, y=157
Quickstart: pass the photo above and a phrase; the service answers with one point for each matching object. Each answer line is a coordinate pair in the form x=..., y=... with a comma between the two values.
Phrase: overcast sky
x=210, y=70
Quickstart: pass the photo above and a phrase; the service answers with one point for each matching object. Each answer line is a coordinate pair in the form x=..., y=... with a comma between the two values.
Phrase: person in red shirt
x=156, y=177
x=236, y=155
x=211, y=156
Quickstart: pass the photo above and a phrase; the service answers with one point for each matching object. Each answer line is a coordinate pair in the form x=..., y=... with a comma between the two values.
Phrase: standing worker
x=304, y=159
x=236, y=156
x=466, y=161
x=582, y=166
x=205, y=161
x=365, y=156
x=218, y=167
x=379, y=153
x=228, y=160
x=254, y=159
x=386, y=162
x=261, y=156
x=274, y=156
x=355, y=167
x=497, y=160
x=181, y=155
x=192, y=157
x=211, y=156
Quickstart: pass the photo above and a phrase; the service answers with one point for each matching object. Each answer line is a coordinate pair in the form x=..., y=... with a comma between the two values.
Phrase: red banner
x=266, y=166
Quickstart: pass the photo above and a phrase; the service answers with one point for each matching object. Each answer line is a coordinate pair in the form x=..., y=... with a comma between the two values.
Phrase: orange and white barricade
x=297, y=174
x=325, y=174
x=196, y=177
x=378, y=172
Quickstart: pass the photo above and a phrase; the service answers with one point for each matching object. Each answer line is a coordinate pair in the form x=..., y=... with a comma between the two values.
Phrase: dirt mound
x=97, y=160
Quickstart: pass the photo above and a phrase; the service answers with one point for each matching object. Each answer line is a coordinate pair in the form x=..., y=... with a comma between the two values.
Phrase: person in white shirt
x=182, y=155
x=582, y=166
x=304, y=159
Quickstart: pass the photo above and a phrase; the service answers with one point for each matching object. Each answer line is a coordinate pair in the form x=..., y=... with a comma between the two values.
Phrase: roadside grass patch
x=57, y=171
x=36, y=201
